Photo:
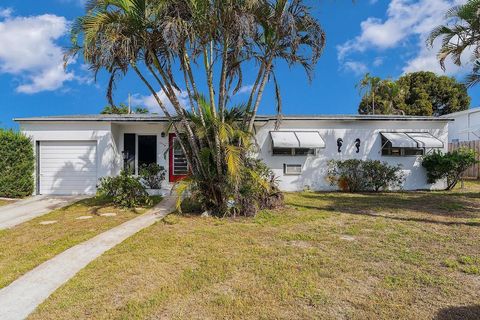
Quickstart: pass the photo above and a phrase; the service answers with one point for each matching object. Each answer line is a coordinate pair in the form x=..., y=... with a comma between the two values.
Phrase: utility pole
x=129, y=103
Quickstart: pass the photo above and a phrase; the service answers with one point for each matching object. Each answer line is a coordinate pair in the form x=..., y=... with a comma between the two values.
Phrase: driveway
x=27, y=209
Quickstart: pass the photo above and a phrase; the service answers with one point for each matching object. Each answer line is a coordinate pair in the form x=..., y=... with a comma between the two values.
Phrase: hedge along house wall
x=17, y=164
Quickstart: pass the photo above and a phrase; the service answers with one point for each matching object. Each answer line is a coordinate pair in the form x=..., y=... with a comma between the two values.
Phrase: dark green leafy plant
x=355, y=175
x=125, y=190
x=123, y=109
x=449, y=166
x=153, y=174
x=382, y=176
x=17, y=164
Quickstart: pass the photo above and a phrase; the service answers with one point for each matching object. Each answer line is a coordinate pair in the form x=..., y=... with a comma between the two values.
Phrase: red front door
x=177, y=163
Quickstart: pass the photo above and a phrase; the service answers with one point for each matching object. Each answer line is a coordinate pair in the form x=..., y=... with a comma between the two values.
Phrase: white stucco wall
x=314, y=167
x=458, y=129
x=108, y=158
x=109, y=140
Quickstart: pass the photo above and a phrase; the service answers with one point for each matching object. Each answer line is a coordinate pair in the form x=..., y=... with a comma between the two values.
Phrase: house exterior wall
x=109, y=139
x=463, y=121
x=314, y=167
x=108, y=156
x=148, y=129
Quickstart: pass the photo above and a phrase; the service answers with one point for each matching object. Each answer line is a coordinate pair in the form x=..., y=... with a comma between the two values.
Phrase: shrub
x=125, y=190
x=254, y=196
x=382, y=176
x=257, y=189
x=17, y=163
x=153, y=175
x=347, y=175
x=355, y=175
x=449, y=166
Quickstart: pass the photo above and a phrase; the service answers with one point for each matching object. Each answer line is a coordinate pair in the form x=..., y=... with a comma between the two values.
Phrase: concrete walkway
x=22, y=296
x=27, y=209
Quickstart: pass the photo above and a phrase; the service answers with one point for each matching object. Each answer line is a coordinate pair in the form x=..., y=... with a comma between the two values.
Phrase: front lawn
x=325, y=256
x=29, y=244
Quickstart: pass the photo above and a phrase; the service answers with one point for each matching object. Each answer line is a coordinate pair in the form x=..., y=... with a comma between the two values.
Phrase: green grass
x=324, y=256
x=27, y=245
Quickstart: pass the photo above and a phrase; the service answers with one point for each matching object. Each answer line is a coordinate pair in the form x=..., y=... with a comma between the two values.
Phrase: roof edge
x=260, y=118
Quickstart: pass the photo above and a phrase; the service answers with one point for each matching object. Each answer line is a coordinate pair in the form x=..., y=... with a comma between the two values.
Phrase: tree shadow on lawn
x=96, y=203
x=451, y=205
x=459, y=313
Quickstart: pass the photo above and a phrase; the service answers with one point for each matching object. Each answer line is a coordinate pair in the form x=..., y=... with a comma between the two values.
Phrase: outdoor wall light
x=357, y=144
x=162, y=134
x=339, y=144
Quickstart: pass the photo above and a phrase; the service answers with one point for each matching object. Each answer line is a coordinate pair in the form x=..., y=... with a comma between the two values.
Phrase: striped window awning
x=412, y=140
x=297, y=139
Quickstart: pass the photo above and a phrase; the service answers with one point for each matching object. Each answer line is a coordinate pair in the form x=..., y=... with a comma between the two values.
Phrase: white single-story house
x=466, y=125
x=73, y=152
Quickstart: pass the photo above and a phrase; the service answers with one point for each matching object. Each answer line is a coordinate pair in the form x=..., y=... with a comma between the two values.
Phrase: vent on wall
x=292, y=169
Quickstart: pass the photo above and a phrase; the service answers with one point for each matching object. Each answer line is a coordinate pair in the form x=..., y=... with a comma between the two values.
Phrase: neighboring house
x=73, y=152
x=466, y=126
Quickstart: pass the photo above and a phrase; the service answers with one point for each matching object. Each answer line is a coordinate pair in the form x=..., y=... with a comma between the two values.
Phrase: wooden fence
x=474, y=171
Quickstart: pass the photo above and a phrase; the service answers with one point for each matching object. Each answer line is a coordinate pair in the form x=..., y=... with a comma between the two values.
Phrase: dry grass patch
x=29, y=244
x=325, y=256
x=5, y=202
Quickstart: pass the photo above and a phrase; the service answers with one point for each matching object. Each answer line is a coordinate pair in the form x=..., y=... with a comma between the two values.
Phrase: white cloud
x=77, y=2
x=406, y=20
x=378, y=61
x=5, y=12
x=29, y=51
x=151, y=104
x=358, y=68
x=245, y=89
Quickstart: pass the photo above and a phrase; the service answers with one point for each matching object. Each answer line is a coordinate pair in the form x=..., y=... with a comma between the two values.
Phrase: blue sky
x=384, y=37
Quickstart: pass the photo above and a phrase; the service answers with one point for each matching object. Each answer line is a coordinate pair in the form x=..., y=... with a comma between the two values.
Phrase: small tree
x=449, y=166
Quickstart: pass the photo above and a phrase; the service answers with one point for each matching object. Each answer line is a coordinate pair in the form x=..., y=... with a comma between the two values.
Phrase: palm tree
x=462, y=32
x=368, y=86
x=154, y=37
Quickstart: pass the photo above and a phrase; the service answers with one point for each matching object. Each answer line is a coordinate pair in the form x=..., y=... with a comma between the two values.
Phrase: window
x=388, y=150
x=303, y=151
x=292, y=169
x=293, y=151
x=177, y=160
x=147, y=150
x=180, y=166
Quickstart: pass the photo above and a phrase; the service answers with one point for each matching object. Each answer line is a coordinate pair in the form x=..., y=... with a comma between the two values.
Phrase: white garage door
x=67, y=167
